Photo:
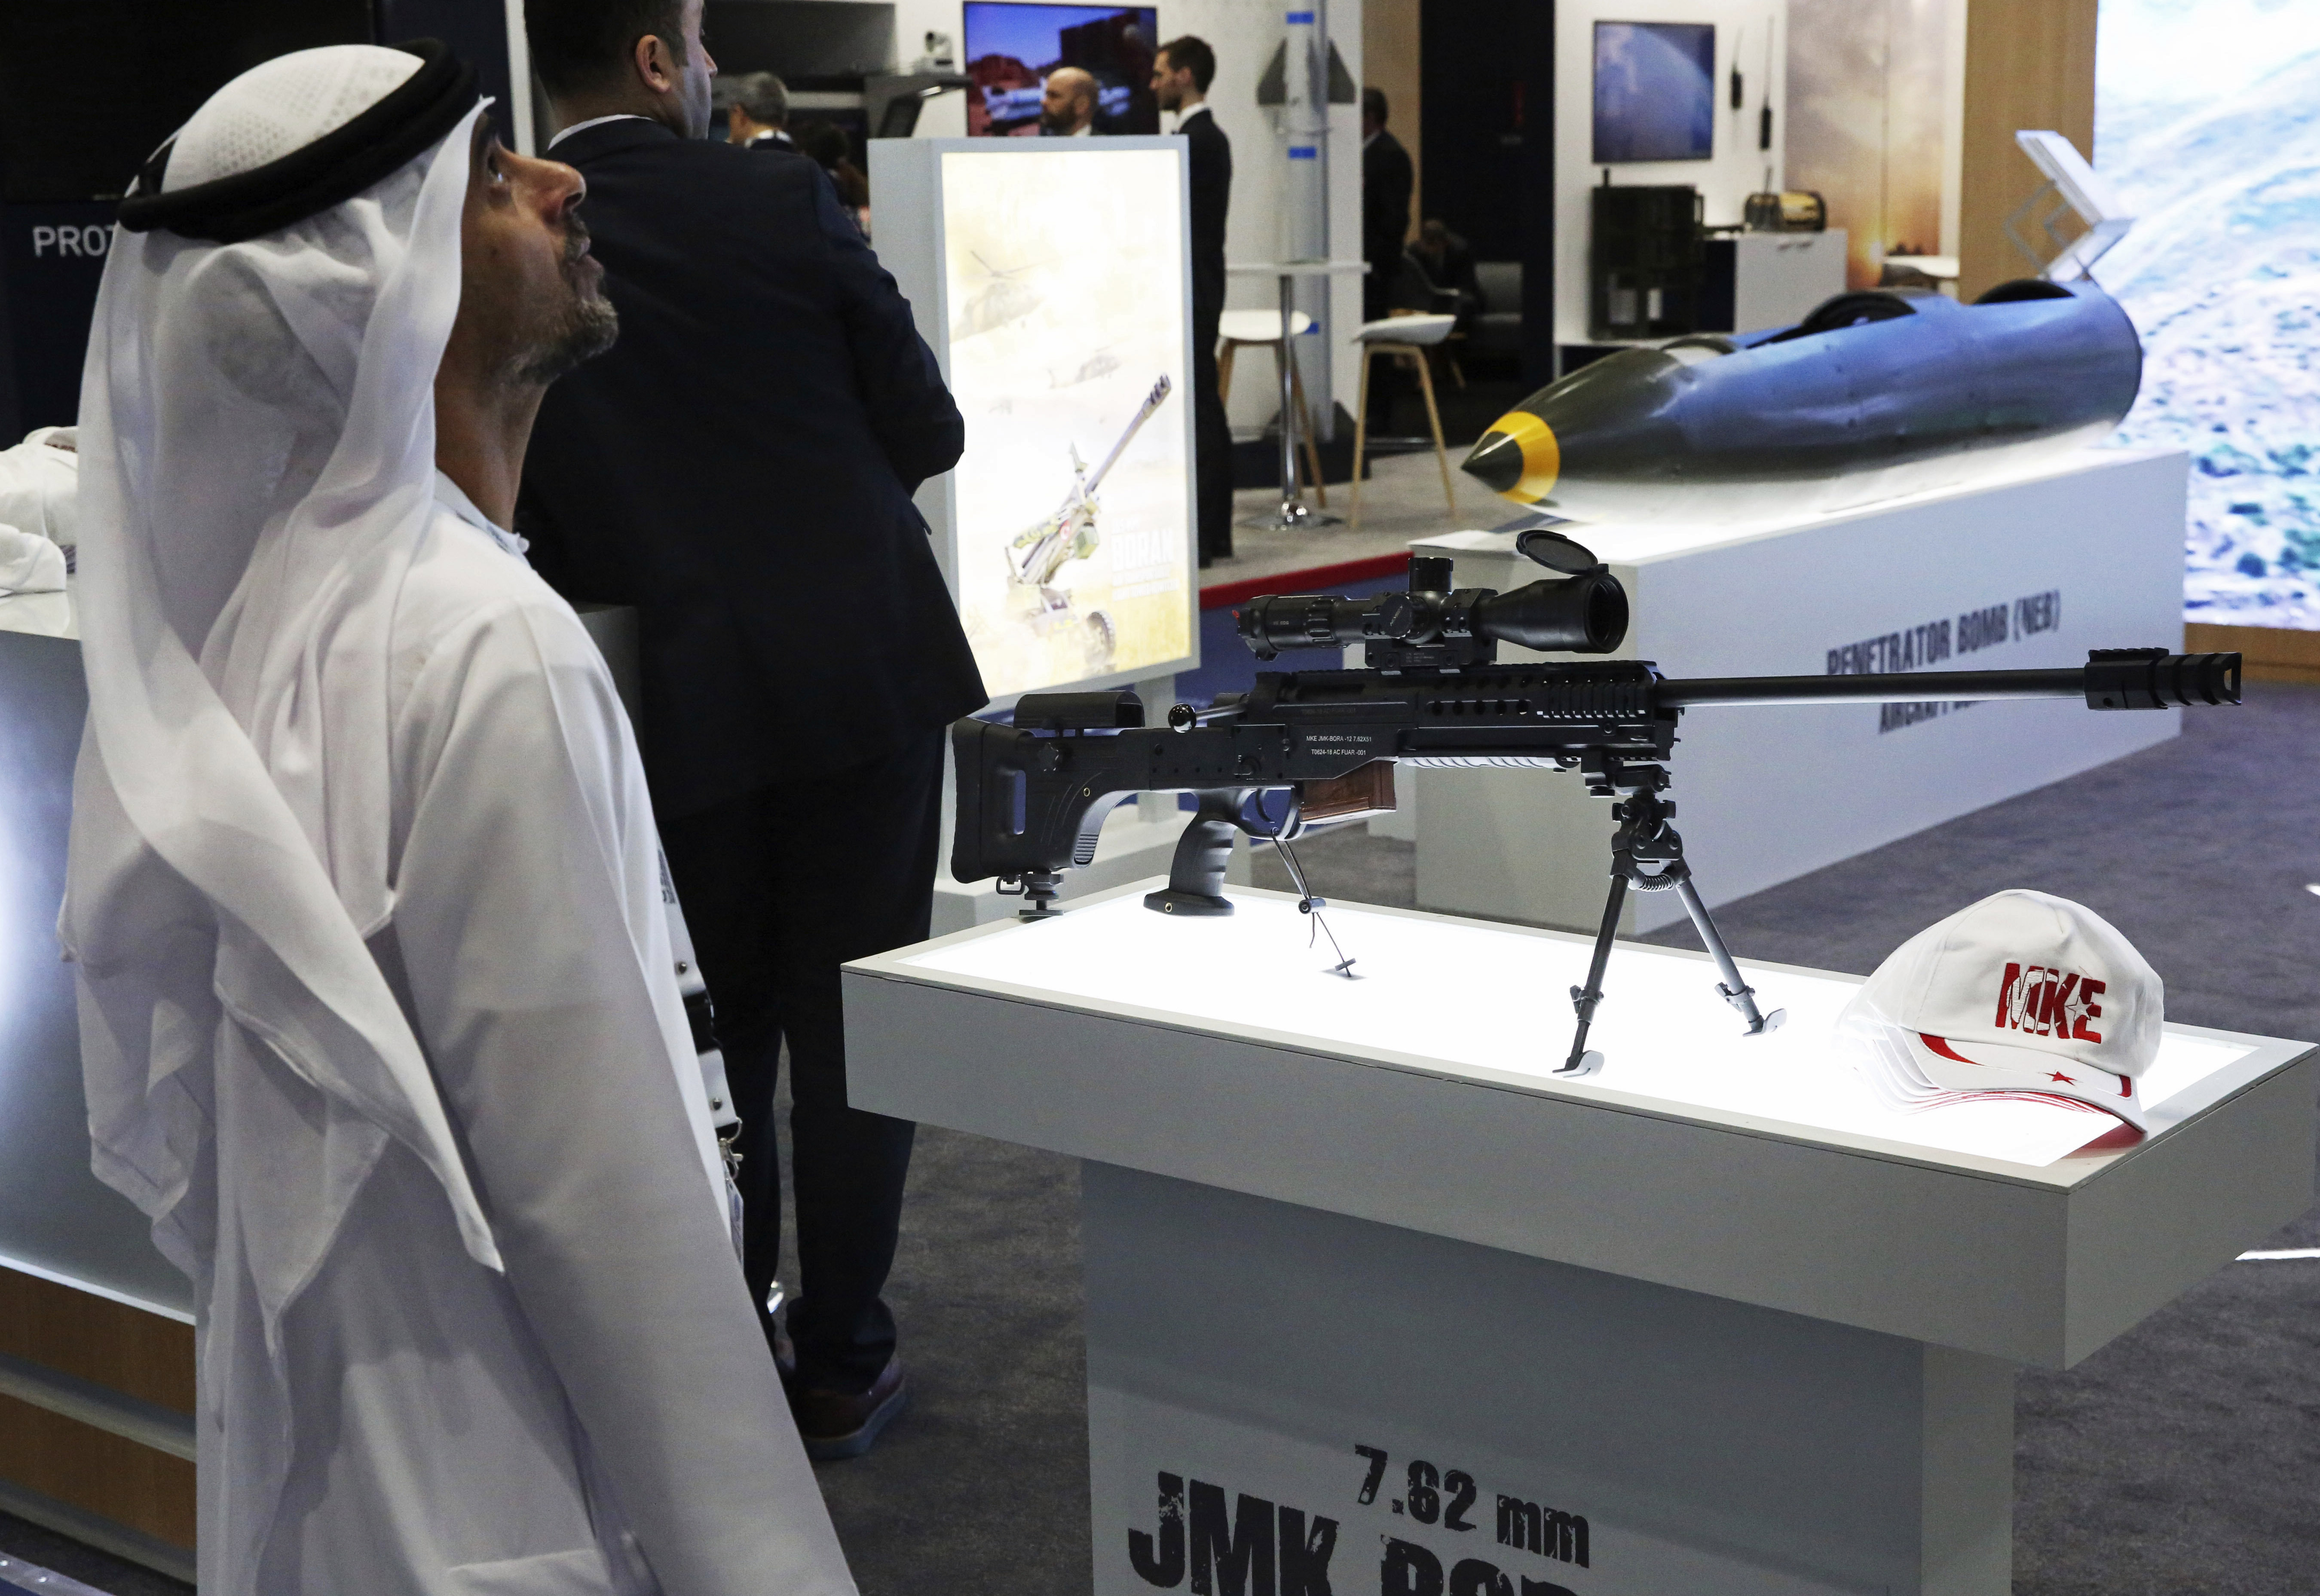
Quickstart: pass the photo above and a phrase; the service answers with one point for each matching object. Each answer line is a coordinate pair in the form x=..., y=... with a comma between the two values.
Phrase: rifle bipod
x=1648, y=854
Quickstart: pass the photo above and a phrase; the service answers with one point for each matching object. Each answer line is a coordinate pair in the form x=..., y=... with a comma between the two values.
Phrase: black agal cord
x=308, y=181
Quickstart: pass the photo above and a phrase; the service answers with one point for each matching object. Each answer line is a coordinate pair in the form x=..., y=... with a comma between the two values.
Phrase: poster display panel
x=1063, y=290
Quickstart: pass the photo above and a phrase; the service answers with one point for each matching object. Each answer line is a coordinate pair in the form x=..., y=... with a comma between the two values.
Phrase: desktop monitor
x=1655, y=91
x=1012, y=46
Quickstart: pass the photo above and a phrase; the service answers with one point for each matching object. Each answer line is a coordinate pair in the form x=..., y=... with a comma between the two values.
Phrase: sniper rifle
x=1033, y=795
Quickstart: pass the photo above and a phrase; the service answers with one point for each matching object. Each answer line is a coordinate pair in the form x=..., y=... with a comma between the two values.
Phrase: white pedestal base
x=1531, y=1427
x=2025, y=573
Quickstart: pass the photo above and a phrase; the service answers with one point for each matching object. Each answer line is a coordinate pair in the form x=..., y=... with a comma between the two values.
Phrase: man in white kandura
x=379, y=1017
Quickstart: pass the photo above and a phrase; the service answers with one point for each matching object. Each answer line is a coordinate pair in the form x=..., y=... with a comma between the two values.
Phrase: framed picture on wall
x=1655, y=91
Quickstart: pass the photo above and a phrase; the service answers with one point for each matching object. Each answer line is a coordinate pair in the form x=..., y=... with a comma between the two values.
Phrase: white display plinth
x=1752, y=1330
x=2036, y=570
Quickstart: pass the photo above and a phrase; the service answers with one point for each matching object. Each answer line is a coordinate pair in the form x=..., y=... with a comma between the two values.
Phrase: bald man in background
x=1067, y=104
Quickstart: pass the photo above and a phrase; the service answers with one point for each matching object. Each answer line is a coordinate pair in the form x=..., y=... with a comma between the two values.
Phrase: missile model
x=1874, y=395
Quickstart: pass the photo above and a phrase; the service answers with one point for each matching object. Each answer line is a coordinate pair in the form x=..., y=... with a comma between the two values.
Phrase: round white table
x=1294, y=512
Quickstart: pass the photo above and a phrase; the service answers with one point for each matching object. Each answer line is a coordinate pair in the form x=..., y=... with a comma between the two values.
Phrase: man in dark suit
x=1181, y=76
x=1069, y=104
x=739, y=469
x=1387, y=180
x=756, y=112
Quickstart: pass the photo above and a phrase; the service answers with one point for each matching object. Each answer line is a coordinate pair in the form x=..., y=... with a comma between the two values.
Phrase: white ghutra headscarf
x=258, y=443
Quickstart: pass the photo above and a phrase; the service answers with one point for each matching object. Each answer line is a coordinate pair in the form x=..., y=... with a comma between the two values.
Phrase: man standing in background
x=758, y=112
x=739, y=470
x=1386, y=179
x=1067, y=102
x=1181, y=76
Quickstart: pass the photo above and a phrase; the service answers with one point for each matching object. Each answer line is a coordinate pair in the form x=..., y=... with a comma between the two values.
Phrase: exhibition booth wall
x=1734, y=167
x=1876, y=118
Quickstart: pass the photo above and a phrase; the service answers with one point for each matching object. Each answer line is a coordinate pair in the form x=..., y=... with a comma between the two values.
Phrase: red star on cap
x=2066, y=1080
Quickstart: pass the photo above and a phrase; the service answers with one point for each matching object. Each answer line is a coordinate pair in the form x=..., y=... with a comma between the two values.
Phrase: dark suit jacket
x=739, y=468
x=1386, y=179
x=1210, y=160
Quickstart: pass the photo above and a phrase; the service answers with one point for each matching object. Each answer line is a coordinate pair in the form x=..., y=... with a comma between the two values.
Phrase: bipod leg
x=1583, y=999
x=1734, y=990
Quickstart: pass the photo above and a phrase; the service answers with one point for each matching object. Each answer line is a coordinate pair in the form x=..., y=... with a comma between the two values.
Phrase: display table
x=1375, y=1303
x=1295, y=514
x=2020, y=574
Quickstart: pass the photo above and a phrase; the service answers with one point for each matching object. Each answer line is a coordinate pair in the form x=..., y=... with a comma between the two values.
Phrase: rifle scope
x=1585, y=613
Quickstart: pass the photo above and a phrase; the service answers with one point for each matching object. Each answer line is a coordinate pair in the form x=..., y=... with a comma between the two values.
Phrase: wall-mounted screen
x=2208, y=125
x=1655, y=91
x=1072, y=502
x=1011, y=47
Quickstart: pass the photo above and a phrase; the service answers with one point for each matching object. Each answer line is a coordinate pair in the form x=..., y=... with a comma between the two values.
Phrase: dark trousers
x=779, y=888
x=1212, y=491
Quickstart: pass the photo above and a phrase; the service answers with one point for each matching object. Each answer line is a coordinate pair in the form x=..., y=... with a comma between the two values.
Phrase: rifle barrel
x=1953, y=685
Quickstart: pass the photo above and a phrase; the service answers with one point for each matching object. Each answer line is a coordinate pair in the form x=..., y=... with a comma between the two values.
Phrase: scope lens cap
x=1556, y=552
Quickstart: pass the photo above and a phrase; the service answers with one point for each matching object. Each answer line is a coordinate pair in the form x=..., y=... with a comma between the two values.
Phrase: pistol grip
x=1196, y=878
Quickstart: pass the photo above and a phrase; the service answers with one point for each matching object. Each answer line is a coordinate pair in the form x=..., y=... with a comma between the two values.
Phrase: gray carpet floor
x=2183, y=1458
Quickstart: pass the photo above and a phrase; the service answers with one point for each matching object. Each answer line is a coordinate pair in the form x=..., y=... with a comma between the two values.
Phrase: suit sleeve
x=1386, y=186
x=910, y=411
x=527, y=894
x=1209, y=161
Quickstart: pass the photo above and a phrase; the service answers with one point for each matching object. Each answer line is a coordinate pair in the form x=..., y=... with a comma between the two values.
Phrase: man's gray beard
x=588, y=331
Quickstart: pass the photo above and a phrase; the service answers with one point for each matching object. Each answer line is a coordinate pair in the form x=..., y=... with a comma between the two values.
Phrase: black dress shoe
x=836, y=1424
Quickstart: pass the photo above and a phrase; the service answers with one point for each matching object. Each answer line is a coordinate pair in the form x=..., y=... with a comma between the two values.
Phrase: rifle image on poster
x=1033, y=797
x=1045, y=548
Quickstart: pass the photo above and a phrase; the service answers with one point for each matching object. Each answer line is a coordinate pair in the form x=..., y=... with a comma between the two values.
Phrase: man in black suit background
x=1386, y=179
x=756, y=112
x=1068, y=104
x=739, y=469
x=1180, y=75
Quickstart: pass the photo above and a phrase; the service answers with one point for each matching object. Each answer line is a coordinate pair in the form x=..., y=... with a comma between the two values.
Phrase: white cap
x=283, y=105
x=2024, y=994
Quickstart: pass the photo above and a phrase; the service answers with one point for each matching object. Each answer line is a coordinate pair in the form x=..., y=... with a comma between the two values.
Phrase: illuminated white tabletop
x=1485, y=1003
x=1762, y=1169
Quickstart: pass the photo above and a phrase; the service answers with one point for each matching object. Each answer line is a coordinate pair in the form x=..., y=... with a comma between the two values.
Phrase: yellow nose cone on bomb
x=1518, y=459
